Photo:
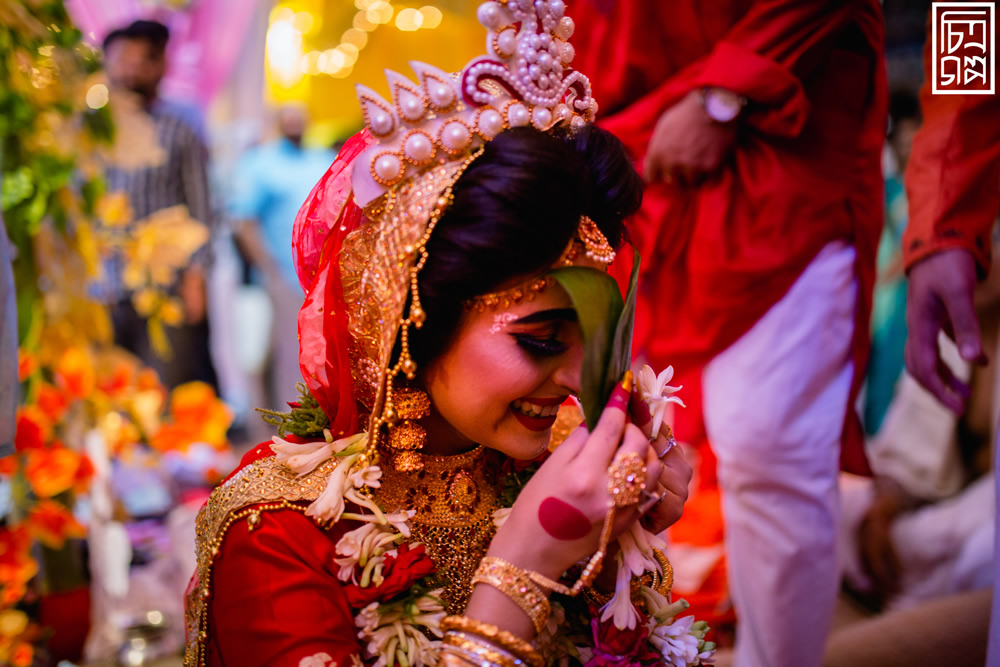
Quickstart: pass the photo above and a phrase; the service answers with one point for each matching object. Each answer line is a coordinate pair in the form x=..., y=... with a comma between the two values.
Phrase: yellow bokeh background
x=307, y=60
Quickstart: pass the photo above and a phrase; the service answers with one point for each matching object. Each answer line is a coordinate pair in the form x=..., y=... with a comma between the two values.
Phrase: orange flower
x=8, y=465
x=23, y=655
x=17, y=567
x=119, y=380
x=75, y=372
x=27, y=364
x=148, y=379
x=51, y=471
x=51, y=524
x=52, y=401
x=81, y=481
x=33, y=428
x=198, y=416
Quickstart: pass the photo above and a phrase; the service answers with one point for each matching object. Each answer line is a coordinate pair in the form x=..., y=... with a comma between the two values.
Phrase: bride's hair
x=514, y=211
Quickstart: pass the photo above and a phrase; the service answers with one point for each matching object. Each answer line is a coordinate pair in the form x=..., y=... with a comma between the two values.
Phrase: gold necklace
x=454, y=497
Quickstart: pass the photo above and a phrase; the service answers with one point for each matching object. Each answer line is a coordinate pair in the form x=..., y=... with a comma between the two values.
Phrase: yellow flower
x=114, y=209
x=13, y=622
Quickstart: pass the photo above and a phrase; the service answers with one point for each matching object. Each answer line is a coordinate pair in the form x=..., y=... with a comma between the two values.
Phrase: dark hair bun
x=514, y=211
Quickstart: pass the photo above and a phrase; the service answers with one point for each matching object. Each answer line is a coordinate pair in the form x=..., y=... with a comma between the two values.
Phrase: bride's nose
x=567, y=373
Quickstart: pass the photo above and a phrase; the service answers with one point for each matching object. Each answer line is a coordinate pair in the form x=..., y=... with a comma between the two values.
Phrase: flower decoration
x=657, y=393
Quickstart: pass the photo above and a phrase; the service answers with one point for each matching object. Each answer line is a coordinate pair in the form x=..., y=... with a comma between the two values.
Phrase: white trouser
x=993, y=656
x=774, y=405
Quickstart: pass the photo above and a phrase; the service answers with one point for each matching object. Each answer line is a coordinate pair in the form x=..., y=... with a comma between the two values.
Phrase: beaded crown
x=524, y=79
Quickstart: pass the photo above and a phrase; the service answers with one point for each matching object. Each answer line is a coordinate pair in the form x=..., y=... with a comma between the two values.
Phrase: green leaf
x=606, y=323
x=17, y=187
x=598, y=303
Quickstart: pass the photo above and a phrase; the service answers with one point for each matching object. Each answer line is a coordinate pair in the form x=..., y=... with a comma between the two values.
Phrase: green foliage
x=45, y=129
x=305, y=420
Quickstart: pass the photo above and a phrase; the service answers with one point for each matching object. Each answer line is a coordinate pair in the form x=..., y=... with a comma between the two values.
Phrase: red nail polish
x=639, y=410
x=619, y=399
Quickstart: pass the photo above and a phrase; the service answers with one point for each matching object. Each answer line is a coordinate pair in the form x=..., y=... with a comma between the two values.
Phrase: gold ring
x=626, y=480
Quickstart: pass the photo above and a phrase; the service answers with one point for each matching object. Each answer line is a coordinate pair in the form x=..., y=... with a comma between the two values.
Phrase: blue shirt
x=272, y=182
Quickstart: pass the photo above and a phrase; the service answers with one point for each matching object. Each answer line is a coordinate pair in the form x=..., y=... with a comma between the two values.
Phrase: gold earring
x=406, y=436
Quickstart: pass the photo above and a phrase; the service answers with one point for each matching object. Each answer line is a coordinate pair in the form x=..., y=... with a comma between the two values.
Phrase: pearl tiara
x=524, y=80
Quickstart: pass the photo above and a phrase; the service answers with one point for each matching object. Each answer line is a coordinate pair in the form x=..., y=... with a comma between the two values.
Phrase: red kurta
x=805, y=170
x=953, y=176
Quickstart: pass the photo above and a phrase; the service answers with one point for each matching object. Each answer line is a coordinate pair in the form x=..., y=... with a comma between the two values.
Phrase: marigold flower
x=12, y=622
x=51, y=471
x=33, y=429
x=52, y=401
x=27, y=364
x=52, y=524
x=75, y=372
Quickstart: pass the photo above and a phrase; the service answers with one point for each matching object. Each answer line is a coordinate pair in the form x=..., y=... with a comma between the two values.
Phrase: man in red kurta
x=760, y=126
x=953, y=188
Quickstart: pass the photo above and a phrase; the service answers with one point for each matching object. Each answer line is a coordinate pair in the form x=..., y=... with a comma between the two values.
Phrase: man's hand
x=878, y=554
x=940, y=297
x=687, y=145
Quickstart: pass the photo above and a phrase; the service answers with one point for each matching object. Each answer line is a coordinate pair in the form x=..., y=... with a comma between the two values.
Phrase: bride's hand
x=676, y=473
x=557, y=519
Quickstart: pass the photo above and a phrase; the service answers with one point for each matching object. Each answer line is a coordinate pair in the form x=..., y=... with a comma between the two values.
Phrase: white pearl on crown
x=490, y=123
x=387, y=167
x=418, y=148
x=562, y=112
x=531, y=55
x=455, y=136
x=517, y=115
x=541, y=117
x=507, y=42
x=545, y=40
x=381, y=123
x=489, y=15
x=566, y=27
x=442, y=96
x=557, y=8
x=577, y=122
x=411, y=107
x=544, y=60
x=567, y=53
x=534, y=71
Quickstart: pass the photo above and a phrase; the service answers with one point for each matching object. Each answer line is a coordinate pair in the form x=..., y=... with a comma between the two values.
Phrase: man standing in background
x=760, y=126
x=135, y=60
x=271, y=183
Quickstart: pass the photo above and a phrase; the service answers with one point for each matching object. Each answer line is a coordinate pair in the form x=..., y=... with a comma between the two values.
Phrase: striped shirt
x=182, y=178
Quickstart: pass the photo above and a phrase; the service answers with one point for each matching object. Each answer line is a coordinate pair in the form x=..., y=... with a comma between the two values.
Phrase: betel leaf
x=606, y=323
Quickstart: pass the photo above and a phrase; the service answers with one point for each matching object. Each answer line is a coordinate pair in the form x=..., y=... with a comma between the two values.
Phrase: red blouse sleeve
x=953, y=176
x=276, y=599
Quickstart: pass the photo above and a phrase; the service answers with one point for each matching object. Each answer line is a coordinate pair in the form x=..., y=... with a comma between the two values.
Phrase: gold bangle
x=480, y=649
x=491, y=633
x=517, y=585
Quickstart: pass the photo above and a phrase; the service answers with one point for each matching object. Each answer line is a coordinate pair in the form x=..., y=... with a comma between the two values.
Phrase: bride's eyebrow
x=553, y=314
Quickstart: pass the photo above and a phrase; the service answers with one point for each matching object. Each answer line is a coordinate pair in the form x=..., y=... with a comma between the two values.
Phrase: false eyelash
x=542, y=347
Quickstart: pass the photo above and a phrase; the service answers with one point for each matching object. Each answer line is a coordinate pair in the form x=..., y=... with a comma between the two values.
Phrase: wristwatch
x=721, y=105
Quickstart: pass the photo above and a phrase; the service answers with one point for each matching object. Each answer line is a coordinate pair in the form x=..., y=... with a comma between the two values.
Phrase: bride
x=430, y=502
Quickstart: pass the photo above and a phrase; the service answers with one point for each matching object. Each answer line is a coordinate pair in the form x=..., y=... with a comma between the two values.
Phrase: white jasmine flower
x=368, y=476
x=636, y=552
x=367, y=620
x=620, y=607
x=350, y=548
x=330, y=504
x=675, y=642
x=501, y=515
x=657, y=393
x=301, y=458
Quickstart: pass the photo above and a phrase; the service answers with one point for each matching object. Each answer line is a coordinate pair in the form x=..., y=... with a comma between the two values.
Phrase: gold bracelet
x=491, y=633
x=517, y=585
x=480, y=649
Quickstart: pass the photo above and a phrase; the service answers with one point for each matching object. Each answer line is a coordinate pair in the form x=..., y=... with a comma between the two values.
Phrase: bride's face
x=501, y=381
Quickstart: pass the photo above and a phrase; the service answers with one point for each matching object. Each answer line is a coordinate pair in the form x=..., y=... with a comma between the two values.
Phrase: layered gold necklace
x=454, y=498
